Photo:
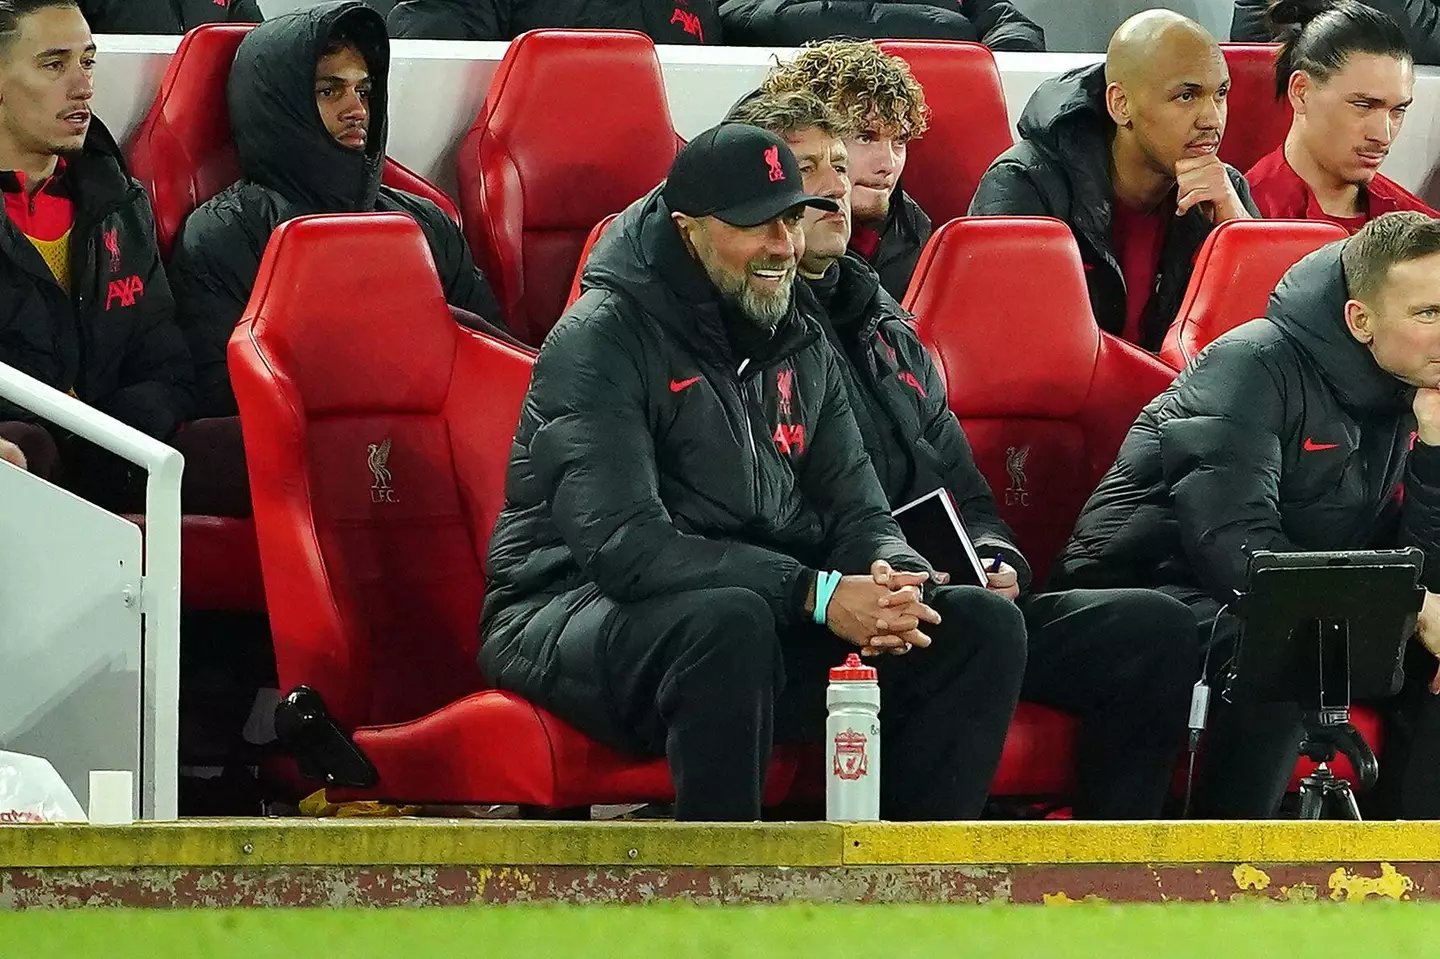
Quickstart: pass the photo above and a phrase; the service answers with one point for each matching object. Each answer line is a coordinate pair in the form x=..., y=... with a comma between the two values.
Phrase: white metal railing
x=160, y=586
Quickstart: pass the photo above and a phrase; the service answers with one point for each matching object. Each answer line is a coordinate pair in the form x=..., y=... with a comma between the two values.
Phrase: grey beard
x=765, y=311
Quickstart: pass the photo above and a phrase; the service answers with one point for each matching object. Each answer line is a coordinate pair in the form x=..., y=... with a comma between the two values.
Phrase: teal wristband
x=825, y=584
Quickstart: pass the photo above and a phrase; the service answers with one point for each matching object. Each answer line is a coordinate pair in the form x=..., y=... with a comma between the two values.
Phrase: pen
x=999, y=560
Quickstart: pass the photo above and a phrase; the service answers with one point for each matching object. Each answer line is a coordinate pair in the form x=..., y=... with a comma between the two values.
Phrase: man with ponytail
x=1347, y=72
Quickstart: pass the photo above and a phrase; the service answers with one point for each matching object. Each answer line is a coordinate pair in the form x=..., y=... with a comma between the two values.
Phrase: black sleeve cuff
x=1425, y=463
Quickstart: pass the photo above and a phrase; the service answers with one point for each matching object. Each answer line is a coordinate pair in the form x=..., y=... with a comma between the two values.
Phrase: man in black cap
x=693, y=532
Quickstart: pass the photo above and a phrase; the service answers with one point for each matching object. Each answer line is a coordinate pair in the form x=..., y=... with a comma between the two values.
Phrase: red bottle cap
x=854, y=671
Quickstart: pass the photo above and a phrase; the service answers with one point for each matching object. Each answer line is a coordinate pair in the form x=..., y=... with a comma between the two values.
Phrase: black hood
x=1066, y=115
x=1309, y=307
x=642, y=257
x=281, y=140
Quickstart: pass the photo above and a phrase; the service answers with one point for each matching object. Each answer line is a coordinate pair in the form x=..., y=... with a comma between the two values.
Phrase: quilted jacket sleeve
x=1221, y=457
x=839, y=480
x=1420, y=514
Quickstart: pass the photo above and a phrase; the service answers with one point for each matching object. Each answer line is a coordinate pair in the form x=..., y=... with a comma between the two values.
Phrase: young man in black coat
x=884, y=109
x=1125, y=152
x=693, y=532
x=307, y=96
x=165, y=16
x=1121, y=659
x=84, y=303
x=1293, y=432
x=666, y=21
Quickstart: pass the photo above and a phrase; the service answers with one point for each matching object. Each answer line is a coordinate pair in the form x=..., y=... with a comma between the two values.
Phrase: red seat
x=1044, y=395
x=590, y=241
x=1045, y=398
x=182, y=150
x=1235, y=273
x=183, y=154
x=1257, y=122
x=969, y=126
x=575, y=127
x=376, y=477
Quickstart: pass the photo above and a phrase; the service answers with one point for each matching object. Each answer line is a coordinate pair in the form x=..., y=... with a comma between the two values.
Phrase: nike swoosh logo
x=1313, y=447
x=677, y=385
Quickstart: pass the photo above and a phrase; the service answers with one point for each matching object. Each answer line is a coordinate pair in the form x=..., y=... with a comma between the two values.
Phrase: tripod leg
x=1352, y=808
x=1312, y=800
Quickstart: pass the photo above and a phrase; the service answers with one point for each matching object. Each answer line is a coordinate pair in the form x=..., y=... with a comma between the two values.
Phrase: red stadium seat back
x=1044, y=396
x=182, y=150
x=585, y=255
x=376, y=470
x=969, y=126
x=575, y=126
x=1235, y=273
x=1257, y=122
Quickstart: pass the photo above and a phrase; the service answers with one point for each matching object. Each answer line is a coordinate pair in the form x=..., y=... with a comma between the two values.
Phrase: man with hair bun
x=1126, y=153
x=1347, y=73
x=1293, y=432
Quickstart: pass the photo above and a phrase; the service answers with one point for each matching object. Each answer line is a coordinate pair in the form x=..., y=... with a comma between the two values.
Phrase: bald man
x=1125, y=152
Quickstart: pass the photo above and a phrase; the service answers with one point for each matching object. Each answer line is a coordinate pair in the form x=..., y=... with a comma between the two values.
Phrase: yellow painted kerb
x=242, y=842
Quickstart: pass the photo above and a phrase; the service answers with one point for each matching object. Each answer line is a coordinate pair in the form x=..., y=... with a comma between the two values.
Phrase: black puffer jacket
x=291, y=166
x=789, y=23
x=666, y=21
x=902, y=238
x=112, y=339
x=1061, y=168
x=650, y=459
x=899, y=402
x=1283, y=435
x=1420, y=19
x=165, y=16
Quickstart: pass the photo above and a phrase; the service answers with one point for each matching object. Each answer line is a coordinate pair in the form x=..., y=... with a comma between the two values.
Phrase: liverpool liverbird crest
x=381, y=491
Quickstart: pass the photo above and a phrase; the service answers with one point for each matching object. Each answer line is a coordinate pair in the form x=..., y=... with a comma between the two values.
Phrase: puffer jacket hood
x=279, y=136
x=1309, y=307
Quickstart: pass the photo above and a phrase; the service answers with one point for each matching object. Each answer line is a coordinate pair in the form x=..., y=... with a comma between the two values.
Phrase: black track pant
x=705, y=679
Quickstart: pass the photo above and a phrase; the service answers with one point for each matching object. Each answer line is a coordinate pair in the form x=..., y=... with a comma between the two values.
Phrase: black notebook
x=932, y=525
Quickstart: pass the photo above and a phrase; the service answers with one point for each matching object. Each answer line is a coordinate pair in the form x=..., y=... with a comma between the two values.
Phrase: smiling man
x=693, y=533
x=1125, y=152
x=84, y=306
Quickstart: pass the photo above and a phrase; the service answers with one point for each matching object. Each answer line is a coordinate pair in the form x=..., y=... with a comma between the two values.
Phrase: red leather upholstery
x=221, y=563
x=182, y=150
x=374, y=558
x=1257, y=122
x=590, y=240
x=1045, y=397
x=969, y=126
x=575, y=127
x=1235, y=272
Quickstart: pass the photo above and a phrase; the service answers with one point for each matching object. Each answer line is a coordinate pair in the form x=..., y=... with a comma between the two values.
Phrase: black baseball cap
x=741, y=174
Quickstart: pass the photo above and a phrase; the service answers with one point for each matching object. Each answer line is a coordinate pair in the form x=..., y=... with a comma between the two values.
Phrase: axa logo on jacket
x=789, y=437
x=689, y=22
x=125, y=291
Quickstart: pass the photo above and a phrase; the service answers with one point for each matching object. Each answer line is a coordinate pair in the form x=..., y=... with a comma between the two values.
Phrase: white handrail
x=160, y=590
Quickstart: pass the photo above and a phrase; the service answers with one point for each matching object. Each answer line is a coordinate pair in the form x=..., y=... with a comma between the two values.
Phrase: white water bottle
x=852, y=743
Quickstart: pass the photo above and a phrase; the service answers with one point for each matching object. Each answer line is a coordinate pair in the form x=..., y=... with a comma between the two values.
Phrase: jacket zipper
x=749, y=431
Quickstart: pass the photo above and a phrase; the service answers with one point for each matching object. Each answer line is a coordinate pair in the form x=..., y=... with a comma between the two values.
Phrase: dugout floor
x=415, y=862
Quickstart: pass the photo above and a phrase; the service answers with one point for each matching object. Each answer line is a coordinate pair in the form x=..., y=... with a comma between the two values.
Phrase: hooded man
x=307, y=95
x=1125, y=153
x=693, y=533
x=1292, y=432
